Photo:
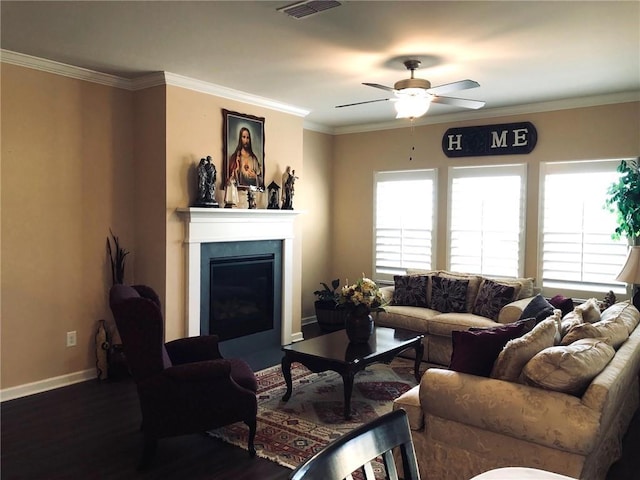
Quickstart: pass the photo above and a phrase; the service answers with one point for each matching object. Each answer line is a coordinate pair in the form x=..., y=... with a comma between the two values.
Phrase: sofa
x=415, y=302
x=559, y=398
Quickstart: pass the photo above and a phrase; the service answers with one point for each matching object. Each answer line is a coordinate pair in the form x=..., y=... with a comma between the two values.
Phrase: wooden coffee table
x=333, y=351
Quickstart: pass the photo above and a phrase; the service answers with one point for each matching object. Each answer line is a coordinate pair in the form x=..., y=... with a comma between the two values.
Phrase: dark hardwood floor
x=91, y=431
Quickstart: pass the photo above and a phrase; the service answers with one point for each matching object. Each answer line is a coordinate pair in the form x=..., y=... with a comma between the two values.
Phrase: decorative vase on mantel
x=359, y=324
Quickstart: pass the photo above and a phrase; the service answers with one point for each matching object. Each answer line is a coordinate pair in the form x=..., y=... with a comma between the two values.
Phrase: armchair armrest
x=511, y=311
x=387, y=293
x=193, y=349
x=532, y=414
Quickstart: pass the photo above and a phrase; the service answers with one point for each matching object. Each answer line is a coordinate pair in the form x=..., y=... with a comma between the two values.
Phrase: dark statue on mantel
x=207, y=184
x=274, y=203
x=288, y=180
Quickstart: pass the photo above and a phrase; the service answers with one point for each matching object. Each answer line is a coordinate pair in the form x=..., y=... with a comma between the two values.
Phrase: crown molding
x=316, y=127
x=231, y=94
x=146, y=81
x=63, y=69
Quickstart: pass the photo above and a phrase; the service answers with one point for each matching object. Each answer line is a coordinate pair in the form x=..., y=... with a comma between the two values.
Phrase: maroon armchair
x=184, y=386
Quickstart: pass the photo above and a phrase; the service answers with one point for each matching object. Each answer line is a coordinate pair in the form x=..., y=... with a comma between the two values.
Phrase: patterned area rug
x=290, y=432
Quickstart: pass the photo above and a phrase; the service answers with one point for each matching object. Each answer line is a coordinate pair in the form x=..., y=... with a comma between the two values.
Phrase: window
x=577, y=251
x=486, y=233
x=403, y=221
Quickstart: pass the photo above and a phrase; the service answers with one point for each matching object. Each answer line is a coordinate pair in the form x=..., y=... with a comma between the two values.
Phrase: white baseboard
x=46, y=384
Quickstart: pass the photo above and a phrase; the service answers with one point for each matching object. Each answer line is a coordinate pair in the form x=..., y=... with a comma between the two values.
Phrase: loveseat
x=438, y=302
x=572, y=389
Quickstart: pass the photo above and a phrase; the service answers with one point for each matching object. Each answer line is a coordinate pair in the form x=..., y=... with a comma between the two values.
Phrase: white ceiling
x=521, y=52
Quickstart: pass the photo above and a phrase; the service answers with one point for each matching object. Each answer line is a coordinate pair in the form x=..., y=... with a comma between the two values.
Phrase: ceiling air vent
x=307, y=8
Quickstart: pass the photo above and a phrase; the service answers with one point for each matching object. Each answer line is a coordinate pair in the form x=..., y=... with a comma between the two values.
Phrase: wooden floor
x=91, y=431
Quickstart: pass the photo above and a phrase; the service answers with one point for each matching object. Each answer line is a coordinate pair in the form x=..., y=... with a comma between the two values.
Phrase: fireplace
x=228, y=235
x=241, y=294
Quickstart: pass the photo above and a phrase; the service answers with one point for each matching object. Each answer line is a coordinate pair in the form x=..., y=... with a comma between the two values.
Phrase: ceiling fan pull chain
x=413, y=147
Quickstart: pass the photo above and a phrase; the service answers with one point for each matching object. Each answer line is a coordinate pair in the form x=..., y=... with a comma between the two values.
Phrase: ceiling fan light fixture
x=412, y=106
x=412, y=92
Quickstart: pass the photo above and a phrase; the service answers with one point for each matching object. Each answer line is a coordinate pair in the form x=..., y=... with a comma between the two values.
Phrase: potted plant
x=329, y=314
x=624, y=200
x=117, y=256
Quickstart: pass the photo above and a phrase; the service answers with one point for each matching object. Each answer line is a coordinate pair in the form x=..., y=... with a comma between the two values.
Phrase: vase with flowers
x=360, y=299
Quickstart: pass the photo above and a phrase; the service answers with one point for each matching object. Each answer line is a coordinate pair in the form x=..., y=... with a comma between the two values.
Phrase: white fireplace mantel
x=208, y=225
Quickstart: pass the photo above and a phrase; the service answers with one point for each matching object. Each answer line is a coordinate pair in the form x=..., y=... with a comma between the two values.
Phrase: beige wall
x=67, y=178
x=149, y=159
x=586, y=133
x=319, y=194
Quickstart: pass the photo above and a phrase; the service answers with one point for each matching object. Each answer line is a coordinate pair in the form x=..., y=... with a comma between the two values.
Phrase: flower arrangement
x=364, y=294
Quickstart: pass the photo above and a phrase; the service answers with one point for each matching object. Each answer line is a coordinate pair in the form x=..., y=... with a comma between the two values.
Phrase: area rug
x=290, y=432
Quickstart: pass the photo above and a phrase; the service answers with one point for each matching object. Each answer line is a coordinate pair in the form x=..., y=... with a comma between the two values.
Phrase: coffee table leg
x=286, y=372
x=419, y=354
x=347, y=380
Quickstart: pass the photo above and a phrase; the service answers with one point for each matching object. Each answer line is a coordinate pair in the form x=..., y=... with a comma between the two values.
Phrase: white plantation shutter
x=578, y=253
x=486, y=233
x=403, y=221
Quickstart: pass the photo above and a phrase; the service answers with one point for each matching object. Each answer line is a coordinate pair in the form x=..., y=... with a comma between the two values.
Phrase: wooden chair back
x=357, y=449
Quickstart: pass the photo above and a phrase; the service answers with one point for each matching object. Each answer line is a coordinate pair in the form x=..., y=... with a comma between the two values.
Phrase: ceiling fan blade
x=459, y=102
x=361, y=103
x=453, y=87
x=377, y=85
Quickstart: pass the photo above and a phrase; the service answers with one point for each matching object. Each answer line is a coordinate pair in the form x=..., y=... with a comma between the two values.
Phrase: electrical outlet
x=72, y=339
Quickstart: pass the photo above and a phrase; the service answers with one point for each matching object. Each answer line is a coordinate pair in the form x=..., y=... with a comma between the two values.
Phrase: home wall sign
x=502, y=139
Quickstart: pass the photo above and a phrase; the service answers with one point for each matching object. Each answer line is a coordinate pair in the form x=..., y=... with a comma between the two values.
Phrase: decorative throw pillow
x=557, y=317
x=475, y=351
x=448, y=295
x=515, y=283
x=569, y=320
x=538, y=308
x=472, y=287
x=613, y=332
x=410, y=290
x=590, y=310
x=491, y=298
x=568, y=369
x=517, y=352
x=624, y=312
x=563, y=303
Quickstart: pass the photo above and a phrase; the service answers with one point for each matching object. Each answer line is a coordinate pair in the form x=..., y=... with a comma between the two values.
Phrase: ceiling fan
x=413, y=96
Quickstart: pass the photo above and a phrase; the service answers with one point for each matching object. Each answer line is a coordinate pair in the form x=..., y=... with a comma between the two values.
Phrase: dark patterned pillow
x=410, y=290
x=492, y=296
x=449, y=295
x=539, y=308
x=563, y=303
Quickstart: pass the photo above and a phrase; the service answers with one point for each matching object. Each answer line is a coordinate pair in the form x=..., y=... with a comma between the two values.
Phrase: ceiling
x=521, y=52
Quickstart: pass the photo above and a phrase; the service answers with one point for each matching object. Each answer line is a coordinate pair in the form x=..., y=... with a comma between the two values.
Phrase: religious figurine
x=274, y=204
x=288, y=180
x=207, y=183
x=251, y=197
x=231, y=193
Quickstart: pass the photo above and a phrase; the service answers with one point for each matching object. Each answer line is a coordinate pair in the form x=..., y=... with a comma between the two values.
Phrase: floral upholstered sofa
x=558, y=398
x=438, y=302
